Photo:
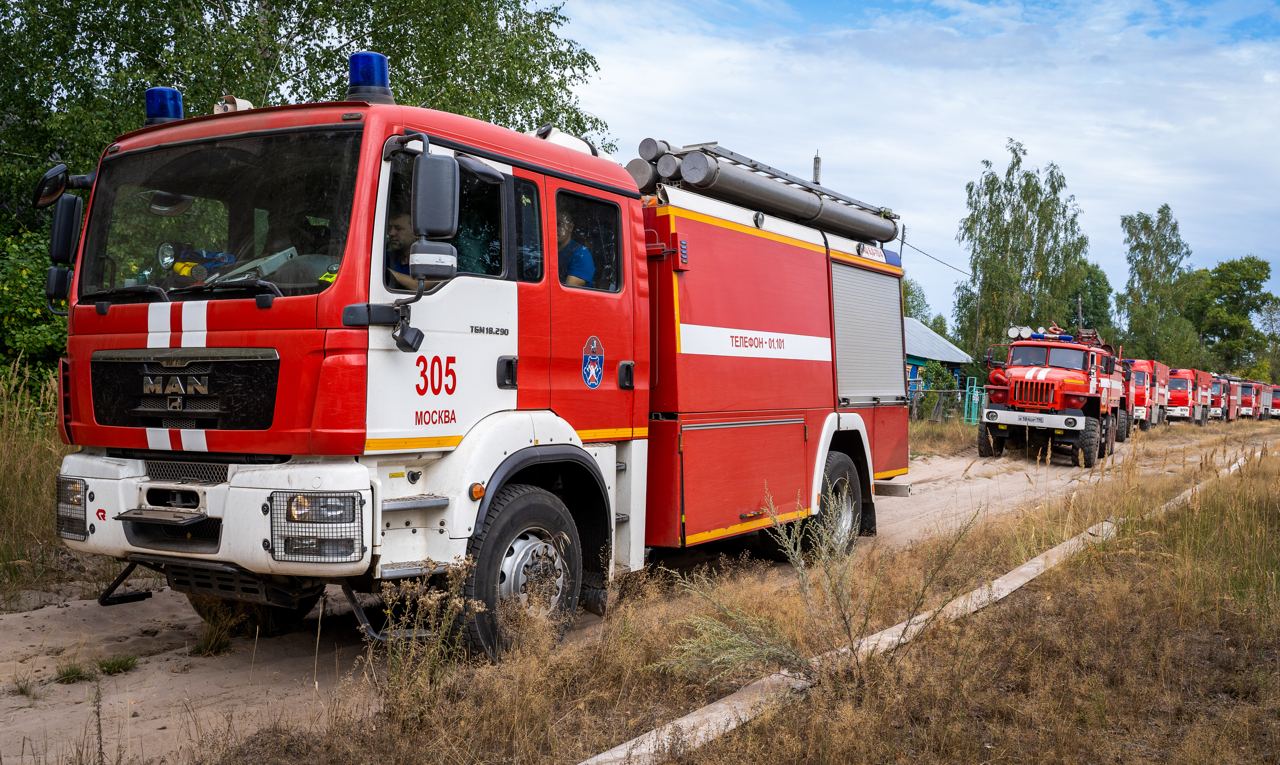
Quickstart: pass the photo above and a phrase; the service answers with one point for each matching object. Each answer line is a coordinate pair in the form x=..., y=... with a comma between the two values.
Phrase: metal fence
x=945, y=404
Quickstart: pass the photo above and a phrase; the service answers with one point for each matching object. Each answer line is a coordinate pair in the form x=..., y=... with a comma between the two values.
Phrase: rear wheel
x=249, y=619
x=1122, y=427
x=840, y=520
x=528, y=551
x=1108, y=445
x=1085, y=451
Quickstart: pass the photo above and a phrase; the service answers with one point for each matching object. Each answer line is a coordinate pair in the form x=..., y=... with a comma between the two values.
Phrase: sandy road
x=170, y=698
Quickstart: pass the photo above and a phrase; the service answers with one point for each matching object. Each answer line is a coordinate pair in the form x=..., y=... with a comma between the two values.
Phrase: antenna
x=1079, y=310
x=817, y=167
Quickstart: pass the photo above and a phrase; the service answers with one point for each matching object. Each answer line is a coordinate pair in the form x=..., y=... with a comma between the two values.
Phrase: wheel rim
x=532, y=558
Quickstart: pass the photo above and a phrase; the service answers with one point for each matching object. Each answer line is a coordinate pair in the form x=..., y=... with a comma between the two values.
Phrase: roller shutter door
x=868, y=325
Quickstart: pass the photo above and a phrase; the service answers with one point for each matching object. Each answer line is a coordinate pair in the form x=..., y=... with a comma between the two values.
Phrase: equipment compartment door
x=732, y=470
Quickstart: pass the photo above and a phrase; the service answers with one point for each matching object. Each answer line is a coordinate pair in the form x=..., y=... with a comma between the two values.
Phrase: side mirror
x=65, y=236
x=57, y=286
x=435, y=197
x=50, y=187
x=992, y=362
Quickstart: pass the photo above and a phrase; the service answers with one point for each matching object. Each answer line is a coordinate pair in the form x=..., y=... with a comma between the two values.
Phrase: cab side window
x=479, y=237
x=528, y=232
x=587, y=243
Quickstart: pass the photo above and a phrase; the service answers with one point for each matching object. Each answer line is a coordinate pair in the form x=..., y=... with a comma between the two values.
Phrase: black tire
x=249, y=619
x=524, y=523
x=1085, y=452
x=841, y=493
x=1122, y=426
x=986, y=447
x=1145, y=425
x=1108, y=445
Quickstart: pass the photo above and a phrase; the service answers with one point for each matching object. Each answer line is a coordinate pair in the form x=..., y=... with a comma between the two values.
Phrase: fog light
x=71, y=515
x=992, y=416
x=317, y=526
x=316, y=547
x=1070, y=422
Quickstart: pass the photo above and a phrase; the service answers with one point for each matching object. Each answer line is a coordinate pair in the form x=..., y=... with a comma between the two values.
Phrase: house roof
x=924, y=343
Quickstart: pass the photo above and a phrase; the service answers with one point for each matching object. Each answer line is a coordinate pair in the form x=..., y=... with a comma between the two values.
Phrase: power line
x=940, y=260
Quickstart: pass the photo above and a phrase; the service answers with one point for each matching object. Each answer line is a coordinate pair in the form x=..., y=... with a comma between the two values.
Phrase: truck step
x=890, y=489
x=415, y=502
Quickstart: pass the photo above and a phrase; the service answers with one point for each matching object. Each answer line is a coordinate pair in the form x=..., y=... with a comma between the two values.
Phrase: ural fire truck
x=1189, y=395
x=1053, y=390
x=1224, y=398
x=1151, y=392
x=356, y=342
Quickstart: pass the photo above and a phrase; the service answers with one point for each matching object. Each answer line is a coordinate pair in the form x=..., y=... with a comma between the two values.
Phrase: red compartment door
x=731, y=468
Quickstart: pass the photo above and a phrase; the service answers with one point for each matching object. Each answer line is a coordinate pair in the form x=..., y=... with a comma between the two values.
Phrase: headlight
x=321, y=508
x=166, y=254
x=71, y=515
x=317, y=526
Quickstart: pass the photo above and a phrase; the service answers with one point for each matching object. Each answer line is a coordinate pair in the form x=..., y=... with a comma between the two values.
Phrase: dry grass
x=944, y=439
x=671, y=643
x=1160, y=646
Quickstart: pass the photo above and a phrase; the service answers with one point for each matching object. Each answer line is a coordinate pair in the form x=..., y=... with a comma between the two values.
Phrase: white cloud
x=1139, y=103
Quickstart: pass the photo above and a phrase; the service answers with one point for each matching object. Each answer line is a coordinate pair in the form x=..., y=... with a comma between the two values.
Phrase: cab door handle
x=507, y=372
x=627, y=375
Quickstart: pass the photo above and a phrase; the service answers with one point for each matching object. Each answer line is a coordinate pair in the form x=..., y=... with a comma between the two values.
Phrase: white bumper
x=1034, y=420
x=244, y=535
x=1180, y=411
x=1139, y=413
x=1215, y=413
x=1246, y=411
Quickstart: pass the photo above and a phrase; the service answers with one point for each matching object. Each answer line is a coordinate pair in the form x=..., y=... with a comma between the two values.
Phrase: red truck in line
x=1189, y=395
x=358, y=342
x=1150, y=392
x=1225, y=398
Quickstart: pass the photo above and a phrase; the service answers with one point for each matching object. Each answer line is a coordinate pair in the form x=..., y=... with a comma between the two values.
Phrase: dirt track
x=155, y=710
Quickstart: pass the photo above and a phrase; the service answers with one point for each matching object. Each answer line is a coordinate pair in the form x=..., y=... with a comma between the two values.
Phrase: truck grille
x=187, y=472
x=1032, y=393
x=206, y=388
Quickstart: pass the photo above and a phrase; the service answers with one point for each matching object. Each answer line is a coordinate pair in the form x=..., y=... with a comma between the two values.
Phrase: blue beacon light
x=369, y=80
x=163, y=105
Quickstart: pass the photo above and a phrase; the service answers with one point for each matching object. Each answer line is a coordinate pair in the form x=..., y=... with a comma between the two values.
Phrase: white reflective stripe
x=158, y=438
x=195, y=318
x=702, y=340
x=193, y=440
x=1042, y=374
x=159, y=324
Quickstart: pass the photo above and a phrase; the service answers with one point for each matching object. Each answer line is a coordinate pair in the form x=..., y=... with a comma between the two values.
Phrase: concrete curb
x=708, y=723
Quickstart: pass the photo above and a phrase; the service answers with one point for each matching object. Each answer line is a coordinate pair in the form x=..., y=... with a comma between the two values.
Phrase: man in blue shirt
x=576, y=263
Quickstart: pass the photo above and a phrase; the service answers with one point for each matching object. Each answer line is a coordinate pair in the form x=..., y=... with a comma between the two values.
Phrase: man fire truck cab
x=1151, y=392
x=1053, y=390
x=1189, y=395
x=1250, y=399
x=262, y=409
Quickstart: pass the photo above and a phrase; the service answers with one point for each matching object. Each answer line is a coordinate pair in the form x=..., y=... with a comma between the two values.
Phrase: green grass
x=116, y=665
x=73, y=672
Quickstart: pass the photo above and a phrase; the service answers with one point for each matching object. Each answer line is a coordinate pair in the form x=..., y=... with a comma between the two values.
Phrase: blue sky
x=1140, y=103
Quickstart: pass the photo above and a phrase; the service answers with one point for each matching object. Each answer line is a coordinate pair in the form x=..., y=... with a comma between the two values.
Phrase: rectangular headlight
x=317, y=526
x=71, y=509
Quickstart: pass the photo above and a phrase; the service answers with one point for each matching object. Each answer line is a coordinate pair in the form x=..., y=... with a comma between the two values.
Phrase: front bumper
x=1063, y=422
x=1246, y=411
x=1139, y=413
x=1182, y=412
x=1215, y=413
x=240, y=521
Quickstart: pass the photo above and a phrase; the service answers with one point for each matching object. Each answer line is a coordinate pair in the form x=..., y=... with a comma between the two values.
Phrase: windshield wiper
x=260, y=286
x=132, y=289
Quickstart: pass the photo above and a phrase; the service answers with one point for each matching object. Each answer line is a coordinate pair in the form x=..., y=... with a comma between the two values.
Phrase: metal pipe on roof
x=644, y=174
x=652, y=148
x=736, y=184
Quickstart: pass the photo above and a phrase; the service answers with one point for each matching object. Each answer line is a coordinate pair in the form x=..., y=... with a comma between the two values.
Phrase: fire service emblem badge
x=593, y=362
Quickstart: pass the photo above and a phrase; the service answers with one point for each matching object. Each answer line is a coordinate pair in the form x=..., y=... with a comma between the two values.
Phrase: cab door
x=592, y=283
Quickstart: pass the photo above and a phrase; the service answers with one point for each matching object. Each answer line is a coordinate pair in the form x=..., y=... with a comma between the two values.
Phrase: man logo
x=191, y=385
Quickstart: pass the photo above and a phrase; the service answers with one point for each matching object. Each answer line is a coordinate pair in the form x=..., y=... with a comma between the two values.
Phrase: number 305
x=436, y=375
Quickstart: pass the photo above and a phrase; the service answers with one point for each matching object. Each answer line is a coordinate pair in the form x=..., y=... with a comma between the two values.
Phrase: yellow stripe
x=410, y=444
x=675, y=300
x=738, y=528
x=677, y=212
x=613, y=434
x=891, y=473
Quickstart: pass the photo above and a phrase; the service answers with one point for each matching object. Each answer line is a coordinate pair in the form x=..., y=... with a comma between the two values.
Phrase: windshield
x=1036, y=356
x=1177, y=384
x=1140, y=378
x=270, y=208
x=1246, y=390
x=1216, y=389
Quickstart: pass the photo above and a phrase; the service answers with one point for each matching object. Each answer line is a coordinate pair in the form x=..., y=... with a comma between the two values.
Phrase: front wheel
x=1144, y=425
x=1085, y=451
x=989, y=445
x=526, y=554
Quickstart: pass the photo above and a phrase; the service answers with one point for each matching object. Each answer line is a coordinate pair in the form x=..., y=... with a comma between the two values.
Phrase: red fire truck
x=1251, y=399
x=1268, y=408
x=1053, y=390
x=356, y=342
x=1151, y=392
x=1189, y=396
x=1224, y=402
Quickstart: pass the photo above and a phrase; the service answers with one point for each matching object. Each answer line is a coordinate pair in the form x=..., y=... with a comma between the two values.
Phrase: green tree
x=1026, y=252
x=27, y=328
x=1150, y=302
x=75, y=70
x=1222, y=302
x=939, y=324
x=914, y=303
x=1095, y=299
x=1269, y=323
